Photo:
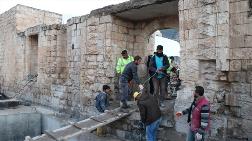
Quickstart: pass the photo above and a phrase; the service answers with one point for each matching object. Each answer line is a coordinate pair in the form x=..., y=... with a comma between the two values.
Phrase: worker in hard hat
x=150, y=114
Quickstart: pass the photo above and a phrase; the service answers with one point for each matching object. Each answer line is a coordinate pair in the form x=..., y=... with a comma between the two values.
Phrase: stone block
x=222, y=41
x=239, y=7
x=237, y=41
x=108, y=35
x=207, y=31
x=246, y=110
x=92, y=36
x=83, y=19
x=222, y=5
x=100, y=58
x=189, y=4
x=123, y=30
x=240, y=88
x=235, y=111
x=247, y=126
x=223, y=18
x=205, y=53
x=248, y=41
x=103, y=80
x=106, y=19
x=234, y=128
x=140, y=39
x=91, y=58
x=223, y=30
x=249, y=80
x=192, y=34
x=237, y=77
x=205, y=2
x=235, y=65
x=190, y=24
x=238, y=30
x=194, y=13
x=236, y=18
x=209, y=20
x=92, y=21
x=246, y=65
x=232, y=100
x=181, y=5
x=102, y=28
x=241, y=53
x=208, y=10
x=92, y=29
x=222, y=55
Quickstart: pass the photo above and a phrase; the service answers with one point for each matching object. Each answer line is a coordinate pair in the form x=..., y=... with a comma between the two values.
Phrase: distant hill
x=172, y=34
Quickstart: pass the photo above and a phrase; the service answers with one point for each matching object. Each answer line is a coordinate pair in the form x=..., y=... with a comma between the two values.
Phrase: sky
x=68, y=8
x=171, y=47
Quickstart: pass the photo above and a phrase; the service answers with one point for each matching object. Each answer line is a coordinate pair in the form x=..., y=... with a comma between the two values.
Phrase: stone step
x=9, y=103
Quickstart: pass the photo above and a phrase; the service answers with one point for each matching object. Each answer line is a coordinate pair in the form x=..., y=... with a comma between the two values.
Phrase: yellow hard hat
x=135, y=95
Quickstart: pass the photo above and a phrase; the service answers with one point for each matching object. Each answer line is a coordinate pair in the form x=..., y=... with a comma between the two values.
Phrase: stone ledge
x=9, y=103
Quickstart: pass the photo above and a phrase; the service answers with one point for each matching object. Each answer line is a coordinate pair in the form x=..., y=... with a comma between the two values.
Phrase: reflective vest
x=121, y=63
x=171, y=66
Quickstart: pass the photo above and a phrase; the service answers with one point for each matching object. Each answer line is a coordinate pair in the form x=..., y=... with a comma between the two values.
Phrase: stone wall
x=73, y=61
x=28, y=17
x=49, y=88
x=216, y=53
x=94, y=45
x=7, y=29
x=26, y=54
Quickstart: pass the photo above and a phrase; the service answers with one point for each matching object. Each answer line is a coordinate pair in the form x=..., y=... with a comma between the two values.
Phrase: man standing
x=148, y=66
x=123, y=61
x=158, y=65
x=150, y=114
x=198, y=116
x=102, y=100
x=129, y=73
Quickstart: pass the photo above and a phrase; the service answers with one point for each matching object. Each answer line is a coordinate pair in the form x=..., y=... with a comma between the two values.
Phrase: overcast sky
x=68, y=8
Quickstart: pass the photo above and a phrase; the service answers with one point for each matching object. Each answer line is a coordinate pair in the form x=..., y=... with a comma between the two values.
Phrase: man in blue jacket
x=102, y=99
x=158, y=65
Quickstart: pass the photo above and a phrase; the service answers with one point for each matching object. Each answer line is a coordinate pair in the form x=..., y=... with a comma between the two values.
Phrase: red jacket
x=200, y=115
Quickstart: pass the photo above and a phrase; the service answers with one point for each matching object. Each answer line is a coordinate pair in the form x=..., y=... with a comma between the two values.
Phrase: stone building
x=69, y=63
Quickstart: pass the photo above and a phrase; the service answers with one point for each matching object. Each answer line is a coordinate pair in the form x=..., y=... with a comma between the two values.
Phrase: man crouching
x=150, y=114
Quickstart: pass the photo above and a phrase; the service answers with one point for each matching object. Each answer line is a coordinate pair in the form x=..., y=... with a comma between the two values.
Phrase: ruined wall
x=28, y=17
x=216, y=50
x=240, y=74
x=7, y=29
x=51, y=69
x=73, y=61
x=93, y=47
x=13, y=47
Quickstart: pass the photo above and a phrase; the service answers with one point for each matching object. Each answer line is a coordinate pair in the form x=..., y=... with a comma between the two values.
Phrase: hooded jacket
x=149, y=109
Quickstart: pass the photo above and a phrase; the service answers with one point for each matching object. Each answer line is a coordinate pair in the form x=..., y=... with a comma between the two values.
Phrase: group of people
x=149, y=104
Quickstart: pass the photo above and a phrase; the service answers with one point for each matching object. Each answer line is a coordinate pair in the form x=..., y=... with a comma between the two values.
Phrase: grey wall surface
x=15, y=127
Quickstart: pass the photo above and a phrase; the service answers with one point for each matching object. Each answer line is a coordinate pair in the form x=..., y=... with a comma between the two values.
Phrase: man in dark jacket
x=102, y=100
x=129, y=73
x=148, y=66
x=158, y=65
x=150, y=114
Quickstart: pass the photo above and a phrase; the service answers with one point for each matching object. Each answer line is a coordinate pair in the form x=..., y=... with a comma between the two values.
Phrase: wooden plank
x=86, y=125
x=51, y=135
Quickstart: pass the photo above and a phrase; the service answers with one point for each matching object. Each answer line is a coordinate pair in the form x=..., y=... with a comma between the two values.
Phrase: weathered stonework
x=70, y=63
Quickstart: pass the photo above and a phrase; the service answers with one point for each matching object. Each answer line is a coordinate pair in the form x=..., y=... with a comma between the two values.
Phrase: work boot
x=124, y=105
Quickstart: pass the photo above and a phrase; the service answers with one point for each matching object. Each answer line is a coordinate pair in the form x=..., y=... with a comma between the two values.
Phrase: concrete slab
x=136, y=10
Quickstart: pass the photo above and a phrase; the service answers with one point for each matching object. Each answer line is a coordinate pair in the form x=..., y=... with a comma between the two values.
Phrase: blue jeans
x=151, y=130
x=191, y=136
